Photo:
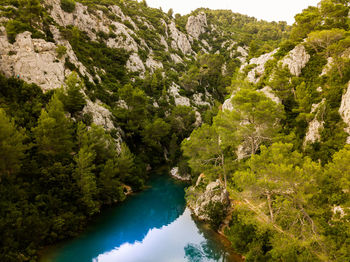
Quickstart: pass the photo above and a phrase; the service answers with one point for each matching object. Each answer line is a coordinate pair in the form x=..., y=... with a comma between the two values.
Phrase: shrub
x=216, y=213
x=61, y=51
x=68, y=5
x=14, y=27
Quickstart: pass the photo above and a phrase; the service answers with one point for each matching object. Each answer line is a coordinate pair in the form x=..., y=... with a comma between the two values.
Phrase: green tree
x=135, y=112
x=12, y=147
x=305, y=22
x=85, y=178
x=30, y=11
x=256, y=117
x=53, y=135
x=182, y=120
x=72, y=98
x=321, y=40
x=205, y=153
x=68, y=5
x=154, y=132
x=335, y=13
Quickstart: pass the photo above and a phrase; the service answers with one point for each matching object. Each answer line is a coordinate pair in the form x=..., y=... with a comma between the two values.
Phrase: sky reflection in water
x=151, y=226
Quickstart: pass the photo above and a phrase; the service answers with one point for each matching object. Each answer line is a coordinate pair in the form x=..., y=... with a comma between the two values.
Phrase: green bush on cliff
x=68, y=5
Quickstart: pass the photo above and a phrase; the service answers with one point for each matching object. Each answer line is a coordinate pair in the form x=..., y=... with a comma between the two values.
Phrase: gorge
x=99, y=96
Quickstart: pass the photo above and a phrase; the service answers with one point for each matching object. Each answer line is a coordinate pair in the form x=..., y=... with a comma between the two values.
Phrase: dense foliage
x=58, y=169
x=291, y=197
x=55, y=173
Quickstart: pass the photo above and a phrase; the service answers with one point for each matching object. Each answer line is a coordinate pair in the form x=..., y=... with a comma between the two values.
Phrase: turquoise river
x=151, y=226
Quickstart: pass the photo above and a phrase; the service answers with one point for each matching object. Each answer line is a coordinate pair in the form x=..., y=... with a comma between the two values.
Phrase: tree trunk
x=268, y=197
x=223, y=169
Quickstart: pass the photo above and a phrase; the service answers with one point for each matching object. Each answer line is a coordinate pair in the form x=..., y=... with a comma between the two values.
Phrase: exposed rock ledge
x=296, y=60
x=344, y=111
x=200, y=201
x=174, y=172
x=313, y=133
x=196, y=25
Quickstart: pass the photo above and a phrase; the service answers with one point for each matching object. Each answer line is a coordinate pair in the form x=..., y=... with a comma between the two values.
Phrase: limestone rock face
x=244, y=54
x=69, y=53
x=227, y=105
x=255, y=74
x=197, y=99
x=316, y=125
x=100, y=116
x=296, y=60
x=196, y=25
x=153, y=64
x=176, y=58
x=328, y=66
x=135, y=63
x=93, y=23
x=179, y=100
x=180, y=40
x=344, y=110
x=214, y=193
x=33, y=60
x=268, y=92
x=174, y=172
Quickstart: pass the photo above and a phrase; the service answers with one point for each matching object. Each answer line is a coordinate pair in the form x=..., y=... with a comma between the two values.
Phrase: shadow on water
x=149, y=226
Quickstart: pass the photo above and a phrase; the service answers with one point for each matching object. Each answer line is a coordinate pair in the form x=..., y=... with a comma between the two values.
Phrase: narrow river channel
x=151, y=226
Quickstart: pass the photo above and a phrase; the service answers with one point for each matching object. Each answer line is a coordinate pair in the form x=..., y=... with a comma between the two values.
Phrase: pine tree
x=53, y=135
x=12, y=146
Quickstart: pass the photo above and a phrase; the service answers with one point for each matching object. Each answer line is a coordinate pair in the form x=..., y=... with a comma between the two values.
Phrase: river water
x=151, y=226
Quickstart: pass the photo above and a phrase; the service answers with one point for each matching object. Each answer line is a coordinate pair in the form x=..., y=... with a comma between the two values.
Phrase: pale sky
x=270, y=10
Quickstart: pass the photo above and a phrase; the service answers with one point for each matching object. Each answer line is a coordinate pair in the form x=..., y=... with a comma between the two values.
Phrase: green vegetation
x=68, y=5
x=58, y=169
x=292, y=198
x=56, y=173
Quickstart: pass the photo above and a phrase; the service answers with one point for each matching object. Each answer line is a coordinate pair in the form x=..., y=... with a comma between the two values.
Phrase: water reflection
x=149, y=227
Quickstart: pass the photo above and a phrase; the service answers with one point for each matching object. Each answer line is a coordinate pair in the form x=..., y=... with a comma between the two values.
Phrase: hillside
x=280, y=147
x=96, y=95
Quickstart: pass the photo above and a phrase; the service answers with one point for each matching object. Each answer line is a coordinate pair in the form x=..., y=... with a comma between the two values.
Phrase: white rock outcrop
x=268, y=92
x=198, y=100
x=94, y=23
x=153, y=64
x=227, y=105
x=196, y=25
x=70, y=53
x=255, y=74
x=316, y=125
x=176, y=58
x=296, y=60
x=174, y=172
x=214, y=194
x=180, y=40
x=328, y=66
x=135, y=64
x=344, y=110
x=33, y=60
x=179, y=100
x=101, y=116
